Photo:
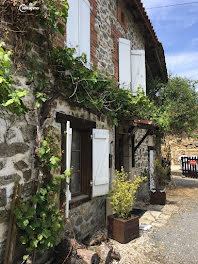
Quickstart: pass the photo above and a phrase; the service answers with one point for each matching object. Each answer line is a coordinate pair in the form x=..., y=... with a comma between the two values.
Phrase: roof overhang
x=129, y=126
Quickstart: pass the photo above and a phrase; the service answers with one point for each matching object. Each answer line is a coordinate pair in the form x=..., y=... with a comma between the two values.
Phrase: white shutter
x=100, y=159
x=138, y=70
x=68, y=165
x=72, y=34
x=125, y=63
x=84, y=28
x=151, y=169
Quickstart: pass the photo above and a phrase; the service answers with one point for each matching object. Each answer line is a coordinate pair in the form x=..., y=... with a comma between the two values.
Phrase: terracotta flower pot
x=158, y=197
x=123, y=230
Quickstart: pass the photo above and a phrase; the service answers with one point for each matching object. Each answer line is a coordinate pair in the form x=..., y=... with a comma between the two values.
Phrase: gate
x=190, y=166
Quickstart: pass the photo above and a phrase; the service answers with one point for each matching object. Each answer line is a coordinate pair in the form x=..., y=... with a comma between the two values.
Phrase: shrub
x=123, y=194
x=161, y=174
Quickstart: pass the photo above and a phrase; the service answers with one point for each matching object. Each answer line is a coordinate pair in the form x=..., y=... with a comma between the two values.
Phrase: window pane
x=75, y=140
x=75, y=183
x=75, y=160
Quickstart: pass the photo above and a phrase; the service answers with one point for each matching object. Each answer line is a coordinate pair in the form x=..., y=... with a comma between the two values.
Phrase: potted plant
x=161, y=177
x=122, y=226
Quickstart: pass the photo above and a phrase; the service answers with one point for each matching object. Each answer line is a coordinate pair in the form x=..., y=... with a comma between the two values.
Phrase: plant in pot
x=122, y=225
x=161, y=177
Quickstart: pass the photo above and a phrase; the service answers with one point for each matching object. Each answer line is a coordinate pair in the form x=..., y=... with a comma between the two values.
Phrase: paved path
x=179, y=239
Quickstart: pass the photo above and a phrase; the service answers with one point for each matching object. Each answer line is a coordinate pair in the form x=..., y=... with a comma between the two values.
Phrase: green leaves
x=177, y=106
x=39, y=218
x=55, y=11
x=49, y=153
x=122, y=195
x=9, y=97
x=43, y=191
x=16, y=101
x=40, y=97
x=25, y=222
x=25, y=257
x=54, y=161
x=41, y=224
x=61, y=28
x=97, y=91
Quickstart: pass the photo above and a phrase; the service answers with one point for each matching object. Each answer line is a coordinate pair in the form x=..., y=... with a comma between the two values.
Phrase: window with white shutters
x=78, y=27
x=138, y=73
x=88, y=155
x=100, y=160
x=78, y=154
x=125, y=63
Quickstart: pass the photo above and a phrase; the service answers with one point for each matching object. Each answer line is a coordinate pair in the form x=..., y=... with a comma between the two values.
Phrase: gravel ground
x=173, y=238
x=179, y=239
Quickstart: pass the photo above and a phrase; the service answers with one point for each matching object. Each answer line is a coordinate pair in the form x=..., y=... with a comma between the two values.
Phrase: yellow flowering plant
x=122, y=195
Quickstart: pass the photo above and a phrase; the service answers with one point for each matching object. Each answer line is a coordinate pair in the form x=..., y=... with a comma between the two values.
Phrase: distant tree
x=177, y=105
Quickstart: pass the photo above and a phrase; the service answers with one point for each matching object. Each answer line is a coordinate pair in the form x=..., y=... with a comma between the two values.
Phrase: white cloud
x=172, y=14
x=183, y=64
x=169, y=24
x=192, y=74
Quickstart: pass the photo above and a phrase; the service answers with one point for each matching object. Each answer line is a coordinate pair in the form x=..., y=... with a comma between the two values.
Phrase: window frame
x=85, y=127
x=80, y=161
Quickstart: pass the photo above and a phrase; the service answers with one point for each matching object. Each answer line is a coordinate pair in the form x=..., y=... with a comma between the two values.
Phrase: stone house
x=118, y=38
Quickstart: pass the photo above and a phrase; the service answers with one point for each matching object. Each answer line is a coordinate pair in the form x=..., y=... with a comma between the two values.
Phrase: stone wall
x=16, y=163
x=141, y=154
x=141, y=159
x=87, y=218
x=106, y=28
x=142, y=163
x=182, y=146
x=109, y=30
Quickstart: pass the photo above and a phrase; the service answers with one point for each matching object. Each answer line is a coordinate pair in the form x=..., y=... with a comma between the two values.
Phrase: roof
x=131, y=123
x=153, y=47
x=144, y=122
x=149, y=24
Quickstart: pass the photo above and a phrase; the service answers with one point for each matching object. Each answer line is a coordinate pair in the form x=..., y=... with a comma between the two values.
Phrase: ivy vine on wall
x=9, y=97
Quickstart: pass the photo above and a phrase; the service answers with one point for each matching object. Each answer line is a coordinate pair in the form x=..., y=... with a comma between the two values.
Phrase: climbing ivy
x=39, y=219
x=54, y=15
x=9, y=97
x=94, y=90
x=49, y=152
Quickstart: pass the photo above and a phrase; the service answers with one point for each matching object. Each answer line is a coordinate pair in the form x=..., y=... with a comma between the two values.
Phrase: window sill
x=78, y=200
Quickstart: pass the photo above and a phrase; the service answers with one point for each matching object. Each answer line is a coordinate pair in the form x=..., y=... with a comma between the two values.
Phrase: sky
x=177, y=29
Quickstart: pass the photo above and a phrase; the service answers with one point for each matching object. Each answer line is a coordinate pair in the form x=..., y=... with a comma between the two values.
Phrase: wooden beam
x=142, y=140
x=76, y=122
x=133, y=147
